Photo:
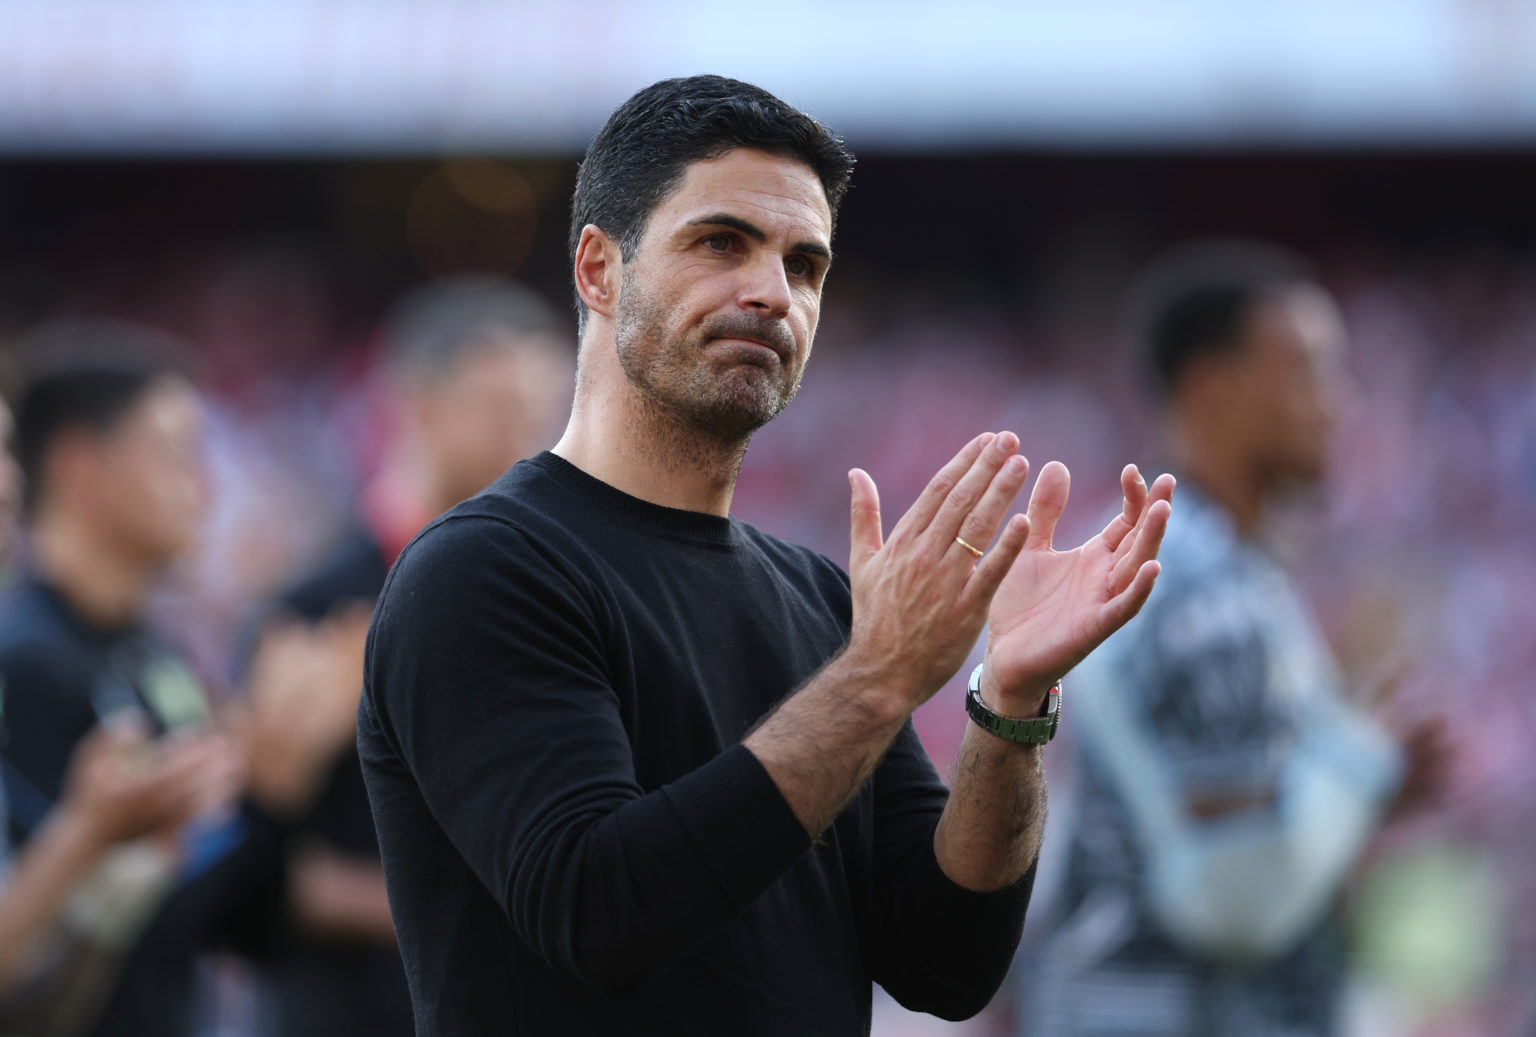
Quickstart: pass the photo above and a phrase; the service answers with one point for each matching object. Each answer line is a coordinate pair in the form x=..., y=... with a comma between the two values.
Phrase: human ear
x=599, y=270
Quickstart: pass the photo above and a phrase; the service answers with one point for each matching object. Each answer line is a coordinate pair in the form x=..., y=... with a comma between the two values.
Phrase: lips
x=741, y=340
x=785, y=351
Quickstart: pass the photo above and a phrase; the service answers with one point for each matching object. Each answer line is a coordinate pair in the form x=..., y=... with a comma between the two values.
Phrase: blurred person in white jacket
x=1227, y=782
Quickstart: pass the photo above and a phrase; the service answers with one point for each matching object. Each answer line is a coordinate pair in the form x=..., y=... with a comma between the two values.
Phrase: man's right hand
x=920, y=598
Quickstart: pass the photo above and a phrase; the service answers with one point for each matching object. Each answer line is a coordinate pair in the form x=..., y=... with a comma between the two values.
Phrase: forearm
x=822, y=743
x=989, y=833
x=62, y=854
x=1204, y=879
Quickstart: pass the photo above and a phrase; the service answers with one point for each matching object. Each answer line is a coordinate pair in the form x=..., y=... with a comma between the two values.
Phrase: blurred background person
x=118, y=789
x=477, y=373
x=108, y=439
x=1229, y=783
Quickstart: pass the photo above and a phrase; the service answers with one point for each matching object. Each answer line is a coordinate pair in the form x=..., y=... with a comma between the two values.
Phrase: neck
x=635, y=446
x=99, y=581
x=1225, y=476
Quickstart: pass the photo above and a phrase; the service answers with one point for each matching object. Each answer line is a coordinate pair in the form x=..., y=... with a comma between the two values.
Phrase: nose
x=765, y=288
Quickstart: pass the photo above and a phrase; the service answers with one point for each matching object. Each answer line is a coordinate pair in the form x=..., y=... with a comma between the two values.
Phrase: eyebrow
x=751, y=230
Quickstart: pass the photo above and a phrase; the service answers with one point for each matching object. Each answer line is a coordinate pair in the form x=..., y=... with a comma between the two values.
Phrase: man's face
x=720, y=302
x=499, y=402
x=1289, y=381
x=150, y=486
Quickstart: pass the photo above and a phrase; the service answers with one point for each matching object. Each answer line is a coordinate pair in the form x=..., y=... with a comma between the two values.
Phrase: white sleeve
x=1249, y=885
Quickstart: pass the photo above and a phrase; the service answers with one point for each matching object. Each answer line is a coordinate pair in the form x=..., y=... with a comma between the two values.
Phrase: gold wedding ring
x=974, y=550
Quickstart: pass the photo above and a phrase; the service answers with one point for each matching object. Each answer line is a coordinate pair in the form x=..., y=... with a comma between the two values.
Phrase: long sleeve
x=488, y=674
x=936, y=946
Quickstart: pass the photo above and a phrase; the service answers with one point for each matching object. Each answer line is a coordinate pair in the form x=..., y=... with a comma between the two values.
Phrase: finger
x=1133, y=491
x=1046, y=504
x=967, y=511
x=994, y=565
x=944, y=480
x=1162, y=490
x=865, y=536
x=1117, y=611
x=980, y=526
x=971, y=490
x=1134, y=488
x=1148, y=540
x=1114, y=533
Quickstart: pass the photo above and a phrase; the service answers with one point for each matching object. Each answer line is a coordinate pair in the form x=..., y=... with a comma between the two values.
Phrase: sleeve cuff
x=934, y=891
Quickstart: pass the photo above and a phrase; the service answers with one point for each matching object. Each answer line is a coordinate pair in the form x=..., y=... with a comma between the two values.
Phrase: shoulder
x=489, y=564
x=519, y=524
x=33, y=636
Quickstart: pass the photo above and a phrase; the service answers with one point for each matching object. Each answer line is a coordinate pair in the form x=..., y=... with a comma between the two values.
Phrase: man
x=109, y=440
x=118, y=789
x=476, y=371
x=1227, y=786
x=640, y=768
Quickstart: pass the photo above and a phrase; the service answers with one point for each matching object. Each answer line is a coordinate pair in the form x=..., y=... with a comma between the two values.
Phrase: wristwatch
x=1030, y=731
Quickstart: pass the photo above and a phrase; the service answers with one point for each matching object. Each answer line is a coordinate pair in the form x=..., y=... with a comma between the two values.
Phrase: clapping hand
x=1054, y=607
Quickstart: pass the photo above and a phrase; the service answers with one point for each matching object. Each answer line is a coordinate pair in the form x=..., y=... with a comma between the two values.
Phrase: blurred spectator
x=1227, y=786
x=478, y=373
x=108, y=440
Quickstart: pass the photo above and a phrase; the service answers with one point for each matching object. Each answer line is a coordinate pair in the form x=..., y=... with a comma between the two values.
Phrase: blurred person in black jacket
x=478, y=374
x=109, y=438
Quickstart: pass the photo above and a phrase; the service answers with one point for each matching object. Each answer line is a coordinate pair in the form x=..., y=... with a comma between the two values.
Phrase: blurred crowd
x=1416, y=555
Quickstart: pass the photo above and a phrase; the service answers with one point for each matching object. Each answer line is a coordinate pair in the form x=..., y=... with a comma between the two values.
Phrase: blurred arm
x=340, y=898
x=56, y=861
x=1254, y=877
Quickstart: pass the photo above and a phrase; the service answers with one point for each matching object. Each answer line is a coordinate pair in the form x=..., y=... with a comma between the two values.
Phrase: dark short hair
x=81, y=375
x=644, y=148
x=429, y=329
x=1195, y=301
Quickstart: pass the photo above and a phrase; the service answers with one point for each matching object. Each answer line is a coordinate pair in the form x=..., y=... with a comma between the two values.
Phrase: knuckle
x=964, y=496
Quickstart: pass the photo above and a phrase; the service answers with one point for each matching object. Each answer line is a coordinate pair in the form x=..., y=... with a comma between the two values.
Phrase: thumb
x=865, y=537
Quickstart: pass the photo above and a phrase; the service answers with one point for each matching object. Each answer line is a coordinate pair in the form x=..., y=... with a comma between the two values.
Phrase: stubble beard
x=685, y=396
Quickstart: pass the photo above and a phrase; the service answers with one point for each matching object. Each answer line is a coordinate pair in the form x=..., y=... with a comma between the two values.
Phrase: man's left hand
x=1054, y=607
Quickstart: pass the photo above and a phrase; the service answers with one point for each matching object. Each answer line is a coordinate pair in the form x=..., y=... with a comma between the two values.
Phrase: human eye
x=717, y=242
x=805, y=268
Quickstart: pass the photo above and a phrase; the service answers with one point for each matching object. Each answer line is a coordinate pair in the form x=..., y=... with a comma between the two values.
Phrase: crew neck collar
x=673, y=522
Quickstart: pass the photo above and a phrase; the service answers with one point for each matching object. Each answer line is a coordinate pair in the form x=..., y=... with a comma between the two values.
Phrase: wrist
x=868, y=681
x=1021, y=700
x=1027, y=730
x=81, y=829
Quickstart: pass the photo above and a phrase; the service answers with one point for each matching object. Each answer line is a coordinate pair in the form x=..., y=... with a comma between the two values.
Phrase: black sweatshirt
x=559, y=676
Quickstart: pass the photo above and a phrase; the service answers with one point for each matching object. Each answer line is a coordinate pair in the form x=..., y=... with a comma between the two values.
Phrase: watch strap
x=1028, y=730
